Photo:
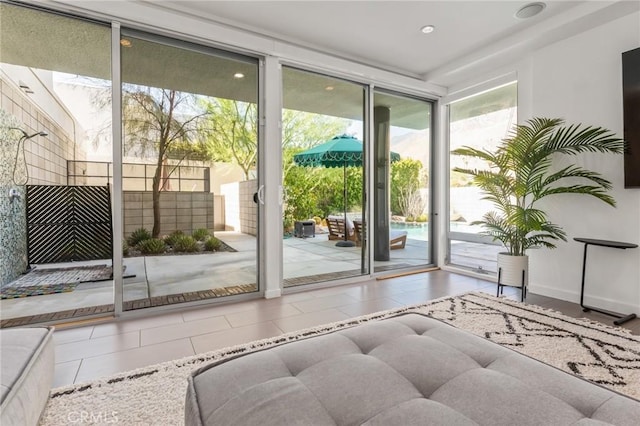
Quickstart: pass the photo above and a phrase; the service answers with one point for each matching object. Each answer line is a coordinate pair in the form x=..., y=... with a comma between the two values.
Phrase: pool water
x=420, y=230
x=415, y=230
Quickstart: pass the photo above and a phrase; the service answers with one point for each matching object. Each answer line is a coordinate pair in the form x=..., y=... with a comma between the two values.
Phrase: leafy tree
x=406, y=179
x=233, y=132
x=162, y=124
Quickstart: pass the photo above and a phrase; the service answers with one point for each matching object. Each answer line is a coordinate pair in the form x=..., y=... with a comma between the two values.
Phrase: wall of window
x=480, y=121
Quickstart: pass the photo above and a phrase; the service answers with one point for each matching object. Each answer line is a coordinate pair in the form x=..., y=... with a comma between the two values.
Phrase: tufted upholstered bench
x=27, y=356
x=405, y=370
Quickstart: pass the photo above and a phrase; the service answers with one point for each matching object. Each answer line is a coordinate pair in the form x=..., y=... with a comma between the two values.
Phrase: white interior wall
x=580, y=79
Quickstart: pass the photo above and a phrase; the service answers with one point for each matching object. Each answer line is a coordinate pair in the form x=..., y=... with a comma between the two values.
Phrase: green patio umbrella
x=341, y=151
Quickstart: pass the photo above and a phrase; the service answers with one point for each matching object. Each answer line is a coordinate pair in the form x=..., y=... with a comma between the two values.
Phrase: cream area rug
x=155, y=395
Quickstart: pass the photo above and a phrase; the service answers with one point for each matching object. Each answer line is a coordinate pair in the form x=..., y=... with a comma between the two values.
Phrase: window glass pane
x=480, y=121
x=323, y=177
x=55, y=125
x=402, y=134
x=190, y=171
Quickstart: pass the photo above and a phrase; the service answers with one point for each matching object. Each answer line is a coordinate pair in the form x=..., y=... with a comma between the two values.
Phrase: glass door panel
x=190, y=125
x=402, y=139
x=323, y=178
x=480, y=121
x=55, y=238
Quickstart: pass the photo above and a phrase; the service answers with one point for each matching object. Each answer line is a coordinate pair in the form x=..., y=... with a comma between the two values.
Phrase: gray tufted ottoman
x=27, y=356
x=405, y=370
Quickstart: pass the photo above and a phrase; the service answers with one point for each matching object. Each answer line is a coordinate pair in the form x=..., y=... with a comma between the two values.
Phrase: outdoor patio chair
x=397, y=239
x=337, y=228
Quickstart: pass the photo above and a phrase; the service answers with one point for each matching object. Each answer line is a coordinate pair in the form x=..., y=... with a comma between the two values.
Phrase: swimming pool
x=420, y=230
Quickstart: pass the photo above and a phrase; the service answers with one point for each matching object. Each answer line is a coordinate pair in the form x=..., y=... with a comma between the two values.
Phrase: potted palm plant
x=520, y=174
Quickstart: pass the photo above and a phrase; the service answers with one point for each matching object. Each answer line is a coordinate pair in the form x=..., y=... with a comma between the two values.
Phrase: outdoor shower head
x=27, y=136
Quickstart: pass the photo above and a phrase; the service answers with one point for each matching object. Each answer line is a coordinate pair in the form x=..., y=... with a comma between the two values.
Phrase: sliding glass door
x=323, y=178
x=402, y=135
x=190, y=126
x=55, y=233
x=480, y=121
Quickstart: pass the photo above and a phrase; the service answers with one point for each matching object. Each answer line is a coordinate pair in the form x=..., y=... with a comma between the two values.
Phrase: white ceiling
x=386, y=34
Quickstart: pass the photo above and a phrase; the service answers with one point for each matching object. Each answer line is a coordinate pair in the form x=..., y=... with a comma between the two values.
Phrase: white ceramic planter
x=510, y=269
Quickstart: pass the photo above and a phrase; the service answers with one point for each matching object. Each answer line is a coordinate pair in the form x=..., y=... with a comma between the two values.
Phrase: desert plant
x=520, y=175
x=185, y=244
x=200, y=234
x=125, y=248
x=422, y=218
x=137, y=236
x=152, y=246
x=212, y=244
x=171, y=239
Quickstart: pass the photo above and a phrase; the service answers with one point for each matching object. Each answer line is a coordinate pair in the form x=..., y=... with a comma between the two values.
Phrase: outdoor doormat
x=38, y=282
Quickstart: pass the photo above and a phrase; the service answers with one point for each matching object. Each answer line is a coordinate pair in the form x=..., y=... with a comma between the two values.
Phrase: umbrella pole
x=345, y=243
x=344, y=194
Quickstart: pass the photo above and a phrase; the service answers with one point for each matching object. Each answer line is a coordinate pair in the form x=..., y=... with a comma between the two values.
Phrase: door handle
x=259, y=195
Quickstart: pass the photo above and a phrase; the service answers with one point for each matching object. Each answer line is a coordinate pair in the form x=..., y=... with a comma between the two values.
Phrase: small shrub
x=212, y=244
x=171, y=239
x=409, y=219
x=422, y=218
x=200, y=234
x=125, y=248
x=317, y=220
x=138, y=236
x=185, y=244
x=152, y=246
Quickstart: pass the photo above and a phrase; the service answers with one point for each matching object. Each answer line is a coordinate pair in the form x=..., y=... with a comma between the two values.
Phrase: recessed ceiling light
x=427, y=29
x=125, y=42
x=328, y=88
x=530, y=10
x=238, y=75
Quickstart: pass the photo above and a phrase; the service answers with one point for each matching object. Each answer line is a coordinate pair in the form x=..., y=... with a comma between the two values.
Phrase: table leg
x=621, y=318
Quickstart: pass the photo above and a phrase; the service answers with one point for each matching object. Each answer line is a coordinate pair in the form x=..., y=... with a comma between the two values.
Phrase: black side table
x=603, y=243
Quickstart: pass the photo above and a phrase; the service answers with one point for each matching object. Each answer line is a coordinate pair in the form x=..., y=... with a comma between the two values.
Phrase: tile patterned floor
x=91, y=351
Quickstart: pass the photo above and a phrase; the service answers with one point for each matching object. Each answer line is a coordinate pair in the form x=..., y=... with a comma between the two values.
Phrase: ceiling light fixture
x=238, y=75
x=328, y=88
x=427, y=29
x=530, y=10
x=125, y=42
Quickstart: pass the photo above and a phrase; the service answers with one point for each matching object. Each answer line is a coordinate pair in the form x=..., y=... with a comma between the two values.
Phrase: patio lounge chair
x=397, y=239
x=336, y=228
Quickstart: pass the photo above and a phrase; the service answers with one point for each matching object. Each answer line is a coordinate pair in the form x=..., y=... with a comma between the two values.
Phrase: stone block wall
x=184, y=211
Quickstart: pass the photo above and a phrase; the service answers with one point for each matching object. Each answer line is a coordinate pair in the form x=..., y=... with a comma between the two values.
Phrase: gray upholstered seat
x=409, y=369
x=27, y=374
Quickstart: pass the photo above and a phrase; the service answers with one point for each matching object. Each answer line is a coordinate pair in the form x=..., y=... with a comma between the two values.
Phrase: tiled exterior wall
x=184, y=211
x=13, y=227
x=46, y=156
x=46, y=159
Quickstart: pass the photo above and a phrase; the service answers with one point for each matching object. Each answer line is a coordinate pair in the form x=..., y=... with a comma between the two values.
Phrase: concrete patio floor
x=306, y=260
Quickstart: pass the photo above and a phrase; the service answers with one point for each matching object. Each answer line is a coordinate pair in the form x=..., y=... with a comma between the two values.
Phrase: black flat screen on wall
x=631, y=105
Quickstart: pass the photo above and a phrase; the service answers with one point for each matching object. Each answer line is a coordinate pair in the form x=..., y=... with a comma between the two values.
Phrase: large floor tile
x=311, y=319
x=235, y=336
x=326, y=302
x=124, y=326
x=94, y=347
x=65, y=373
x=151, y=336
x=369, y=306
x=261, y=314
x=94, y=367
x=72, y=334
